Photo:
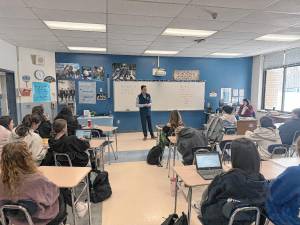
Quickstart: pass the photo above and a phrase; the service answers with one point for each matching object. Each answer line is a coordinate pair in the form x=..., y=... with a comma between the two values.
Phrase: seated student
x=264, y=136
x=175, y=122
x=71, y=145
x=246, y=110
x=6, y=126
x=227, y=117
x=45, y=127
x=288, y=130
x=283, y=199
x=67, y=115
x=25, y=132
x=244, y=183
x=21, y=181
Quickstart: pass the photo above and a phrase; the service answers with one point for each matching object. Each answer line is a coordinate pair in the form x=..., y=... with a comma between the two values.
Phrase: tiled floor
x=141, y=195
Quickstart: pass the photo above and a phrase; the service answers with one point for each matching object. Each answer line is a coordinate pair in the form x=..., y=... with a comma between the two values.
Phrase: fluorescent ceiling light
x=230, y=54
x=87, y=49
x=58, y=25
x=160, y=52
x=188, y=32
x=278, y=37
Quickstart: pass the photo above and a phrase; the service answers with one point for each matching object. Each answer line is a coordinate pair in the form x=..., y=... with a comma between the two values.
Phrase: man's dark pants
x=146, y=120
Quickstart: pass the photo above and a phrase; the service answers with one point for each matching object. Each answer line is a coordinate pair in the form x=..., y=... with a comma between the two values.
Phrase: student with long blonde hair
x=175, y=121
x=21, y=181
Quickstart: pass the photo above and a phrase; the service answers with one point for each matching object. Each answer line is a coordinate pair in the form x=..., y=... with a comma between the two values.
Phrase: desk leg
x=190, y=193
x=102, y=157
x=174, y=157
x=73, y=205
x=116, y=137
x=108, y=148
x=176, y=193
x=89, y=200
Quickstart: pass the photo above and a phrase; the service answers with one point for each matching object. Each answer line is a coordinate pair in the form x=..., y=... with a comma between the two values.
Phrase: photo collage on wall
x=66, y=91
x=124, y=71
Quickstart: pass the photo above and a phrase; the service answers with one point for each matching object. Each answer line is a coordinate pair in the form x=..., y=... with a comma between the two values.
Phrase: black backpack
x=155, y=154
x=100, y=188
x=174, y=220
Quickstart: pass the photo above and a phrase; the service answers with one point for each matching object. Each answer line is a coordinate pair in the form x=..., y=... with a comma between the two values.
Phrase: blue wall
x=218, y=73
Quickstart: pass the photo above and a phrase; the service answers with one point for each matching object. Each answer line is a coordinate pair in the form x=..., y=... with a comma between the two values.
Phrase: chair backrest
x=4, y=211
x=278, y=151
x=235, y=213
x=61, y=159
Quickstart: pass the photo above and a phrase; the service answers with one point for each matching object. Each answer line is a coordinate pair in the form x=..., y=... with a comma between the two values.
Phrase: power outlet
x=118, y=121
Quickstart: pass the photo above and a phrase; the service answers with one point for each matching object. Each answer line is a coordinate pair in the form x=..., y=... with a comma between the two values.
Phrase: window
x=282, y=88
x=273, y=89
x=292, y=89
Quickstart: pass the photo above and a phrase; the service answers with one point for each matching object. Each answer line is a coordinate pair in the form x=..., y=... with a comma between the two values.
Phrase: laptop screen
x=208, y=161
x=83, y=134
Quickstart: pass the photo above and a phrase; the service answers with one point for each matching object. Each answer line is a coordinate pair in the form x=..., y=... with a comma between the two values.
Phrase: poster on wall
x=93, y=73
x=87, y=92
x=123, y=71
x=67, y=71
x=41, y=92
x=186, y=75
x=66, y=91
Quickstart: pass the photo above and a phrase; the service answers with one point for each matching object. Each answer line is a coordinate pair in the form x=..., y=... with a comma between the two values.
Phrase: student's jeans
x=146, y=119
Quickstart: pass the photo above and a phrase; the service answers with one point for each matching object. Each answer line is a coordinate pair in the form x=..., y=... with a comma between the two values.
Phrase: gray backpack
x=215, y=129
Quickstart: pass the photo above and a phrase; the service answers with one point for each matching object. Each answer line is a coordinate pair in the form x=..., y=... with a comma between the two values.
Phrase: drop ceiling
x=134, y=26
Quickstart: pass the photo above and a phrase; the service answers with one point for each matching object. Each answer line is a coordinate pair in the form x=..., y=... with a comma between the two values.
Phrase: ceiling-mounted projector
x=159, y=72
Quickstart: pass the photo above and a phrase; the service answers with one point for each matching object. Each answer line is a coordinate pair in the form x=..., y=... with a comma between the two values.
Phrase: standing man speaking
x=143, y=102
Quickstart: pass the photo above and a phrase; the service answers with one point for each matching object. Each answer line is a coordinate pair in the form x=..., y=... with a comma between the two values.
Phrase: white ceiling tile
x=128, y=42
x=278, y=19
x=98, y=44
x=19, y=31
x=70, y=16
x=175, y=40
x=11, y=3
x=158, y=44
x=130, y=20
x=16, y=12
x=224, y=14
x=144, y=8
x=235, y=35
x=198, y=24
x=165, y=48
x=220, y=41
x=285, y=6
x=134, y=29
x=86, y=5
x=21, y=23
x=253, y=27
x=79, y=34
x=238, y=4
x=164, y=1
x=128, y=36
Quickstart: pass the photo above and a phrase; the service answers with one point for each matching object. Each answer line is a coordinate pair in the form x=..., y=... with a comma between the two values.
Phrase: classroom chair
x=226, y=151
x=62, y=159
x=292, y=148
x=16, y=211
x=278, y=151
x=247, y=209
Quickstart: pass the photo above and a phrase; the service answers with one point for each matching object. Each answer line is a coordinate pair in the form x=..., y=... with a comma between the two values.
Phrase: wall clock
x=39, y=74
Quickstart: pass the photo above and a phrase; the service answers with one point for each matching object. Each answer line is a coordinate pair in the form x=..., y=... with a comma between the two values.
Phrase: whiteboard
x=165, y=95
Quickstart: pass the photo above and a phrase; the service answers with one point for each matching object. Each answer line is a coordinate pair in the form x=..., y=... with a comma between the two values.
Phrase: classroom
x=149, y=112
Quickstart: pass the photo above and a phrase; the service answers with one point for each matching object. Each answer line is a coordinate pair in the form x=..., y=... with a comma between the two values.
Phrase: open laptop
x=84, y=134
x=208, y=164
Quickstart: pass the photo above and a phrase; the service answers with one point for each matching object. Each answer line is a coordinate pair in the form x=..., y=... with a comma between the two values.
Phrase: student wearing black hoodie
x=67, y=115
x=71, y=145
x=45, y=127
x=243, y=183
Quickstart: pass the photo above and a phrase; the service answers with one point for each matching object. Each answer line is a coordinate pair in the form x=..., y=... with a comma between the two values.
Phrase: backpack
x=215, y=129
x=100, y=188
x=155, y=154
x=174, y=220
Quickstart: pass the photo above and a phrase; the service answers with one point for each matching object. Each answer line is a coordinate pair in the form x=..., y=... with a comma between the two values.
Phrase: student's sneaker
x=81, y=209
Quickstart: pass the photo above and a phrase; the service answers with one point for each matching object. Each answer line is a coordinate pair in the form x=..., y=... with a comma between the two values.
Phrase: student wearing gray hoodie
x=264, y=136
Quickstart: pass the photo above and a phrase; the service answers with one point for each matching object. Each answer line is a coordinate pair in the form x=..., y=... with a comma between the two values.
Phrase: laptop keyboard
x=209, y=174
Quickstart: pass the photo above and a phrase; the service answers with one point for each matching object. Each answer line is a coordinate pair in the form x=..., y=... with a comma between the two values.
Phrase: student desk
x=98, y=146
x=287, y=162
x=96, y=120
x=69, y=177
x=108, y=130
x=191, y=179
